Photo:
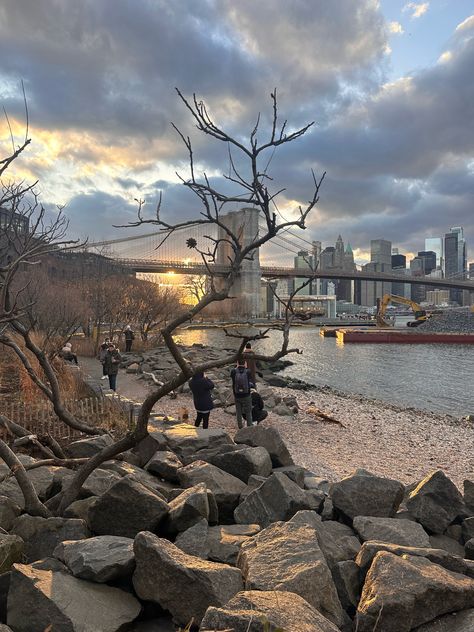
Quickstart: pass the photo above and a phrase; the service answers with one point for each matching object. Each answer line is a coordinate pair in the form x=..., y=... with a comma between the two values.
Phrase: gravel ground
x=461, y=320
x=401, y=443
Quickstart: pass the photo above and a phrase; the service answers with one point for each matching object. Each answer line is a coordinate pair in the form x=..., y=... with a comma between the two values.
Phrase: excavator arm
x=420, y=314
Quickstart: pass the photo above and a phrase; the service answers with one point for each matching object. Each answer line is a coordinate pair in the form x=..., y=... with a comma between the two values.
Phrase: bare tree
x=252, y=189
x=196, y=285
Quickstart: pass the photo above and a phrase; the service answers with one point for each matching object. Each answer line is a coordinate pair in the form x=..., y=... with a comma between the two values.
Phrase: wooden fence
x=110, y=412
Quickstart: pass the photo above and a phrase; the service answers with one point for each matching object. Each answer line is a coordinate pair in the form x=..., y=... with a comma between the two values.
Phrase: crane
x=420, y=315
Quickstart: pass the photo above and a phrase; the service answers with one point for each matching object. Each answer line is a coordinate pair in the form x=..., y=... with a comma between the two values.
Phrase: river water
x=438, y=378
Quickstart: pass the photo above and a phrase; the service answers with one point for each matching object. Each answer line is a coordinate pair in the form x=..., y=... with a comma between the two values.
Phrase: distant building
x=303, y=261
x=436, y=244
x=399, y=265
x=437, y=297
x=13, y=222
x=455, y=259
x=422, y=265
x=380, y=261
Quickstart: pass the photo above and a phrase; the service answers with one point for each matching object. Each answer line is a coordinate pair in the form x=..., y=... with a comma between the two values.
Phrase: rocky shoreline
x=389, y=440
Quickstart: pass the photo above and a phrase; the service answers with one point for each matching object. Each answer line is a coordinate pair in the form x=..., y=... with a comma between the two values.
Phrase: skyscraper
x=399, y=265
x=423, y=264
x=380, y=261
x=455, y=258
x=435, y=244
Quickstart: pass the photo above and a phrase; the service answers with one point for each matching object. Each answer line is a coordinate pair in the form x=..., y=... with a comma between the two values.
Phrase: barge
x=400, y=336
x=330, y=332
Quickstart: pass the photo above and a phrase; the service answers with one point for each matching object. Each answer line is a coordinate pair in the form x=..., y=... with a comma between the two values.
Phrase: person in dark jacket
x=111, y=362
x=201, y=388
x=241, y=385
x=250, y=361
x=129, y=338
x=258, y=412
x=104, y=347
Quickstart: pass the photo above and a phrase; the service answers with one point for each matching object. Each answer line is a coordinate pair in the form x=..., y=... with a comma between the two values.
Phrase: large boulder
x=224, y=542
x=88, y=447
x=438, y=556
x=155, y=441
x=43, y=480
x=268, y=438
x=448, y=544
x=337, y=541
x=194, y=541
x=468, y=496
x=454, y=622
x=348, y=585
x=265, y=611
x=42, y=535
x=404, y=532
x=127, y=508
x=245, y=462
x=49, y=600
x=287, y=557
x=182, y=584
x=364, y=494
x=184, y=439
x=279, y=498
x=101, y=559
x=80, y=509
x=96, y=484
x=191, y=506
x=225, y=487
x=435, y=502
x=165, y=465
x=401, y=593
x=164, y=488
x=11, y=551
x=9, y=512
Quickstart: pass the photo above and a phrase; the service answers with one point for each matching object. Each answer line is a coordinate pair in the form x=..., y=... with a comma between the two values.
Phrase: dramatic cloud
x=100, y=78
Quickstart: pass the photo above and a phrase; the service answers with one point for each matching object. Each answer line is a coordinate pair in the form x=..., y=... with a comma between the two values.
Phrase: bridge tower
x=246, y=289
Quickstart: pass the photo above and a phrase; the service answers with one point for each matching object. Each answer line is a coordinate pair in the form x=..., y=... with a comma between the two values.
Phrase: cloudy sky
x=389, y=85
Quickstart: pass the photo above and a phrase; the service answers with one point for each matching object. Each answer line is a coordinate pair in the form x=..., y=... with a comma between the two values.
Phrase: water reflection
x=432, y=377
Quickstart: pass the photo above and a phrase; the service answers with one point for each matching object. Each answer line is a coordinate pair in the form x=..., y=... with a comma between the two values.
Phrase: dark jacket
x=112, y=361
x=249, y=375
x=129, y=334
x=251, y=364
x=201, y=388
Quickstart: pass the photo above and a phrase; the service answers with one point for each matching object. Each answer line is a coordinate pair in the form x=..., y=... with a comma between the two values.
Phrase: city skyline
x=380, y=80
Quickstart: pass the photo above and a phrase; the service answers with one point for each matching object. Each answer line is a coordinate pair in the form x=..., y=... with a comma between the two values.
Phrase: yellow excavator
x=420, y=315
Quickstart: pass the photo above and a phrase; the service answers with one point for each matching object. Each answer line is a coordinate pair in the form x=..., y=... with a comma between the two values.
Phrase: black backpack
x=241, y=382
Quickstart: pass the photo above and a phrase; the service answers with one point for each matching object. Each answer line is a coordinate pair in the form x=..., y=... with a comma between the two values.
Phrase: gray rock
x=101, y=559
x=9, y=512
x=225, y=541
x=245, y=462
x=166, y=465
x=277, y=499
x=469, y=495
x=194, y=541
x=337, y=541
x=347, y=581
x=59, y=601
x=190, y=507
x=469, y=549
x=254, y=482
x=141, y=476
x=96, y=484
x=80, y=509
x=262, y=611
x=182, y=584
x=88, y=447
x=467, y=529
x=401, y=593
x=315, y=499
x=316, y=482
x=363, y=494
x=403, y=532
x=453, y=622
x=268, y=438
x=127, y=508
x=150, y=445
x=225, y=487
x=287, y=557
x=295, y=473
x=435, y=502
x=11, y=551
x=438, y=556
x=42, y=535
x=446, y=543
x=282, y=410
x=184, y=439
x=42, y=478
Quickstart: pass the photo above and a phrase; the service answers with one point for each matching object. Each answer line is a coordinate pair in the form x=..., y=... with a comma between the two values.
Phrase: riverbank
x=389, y=440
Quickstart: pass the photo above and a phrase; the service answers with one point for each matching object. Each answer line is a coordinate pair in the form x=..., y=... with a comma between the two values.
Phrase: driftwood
x=312, y=410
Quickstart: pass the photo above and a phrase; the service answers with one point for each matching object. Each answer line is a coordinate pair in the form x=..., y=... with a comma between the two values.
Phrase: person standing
x=111, y=363
x=241, y=385
x=102, y=353
x=201, y=388
x=129, y=338
x=258, y=408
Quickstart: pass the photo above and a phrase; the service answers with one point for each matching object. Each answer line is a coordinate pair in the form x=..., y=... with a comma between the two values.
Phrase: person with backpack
x=129, y=338
x=241, y=385
x=201, y=388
